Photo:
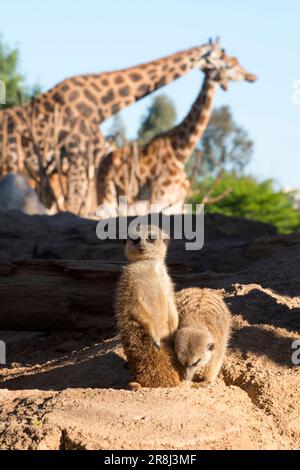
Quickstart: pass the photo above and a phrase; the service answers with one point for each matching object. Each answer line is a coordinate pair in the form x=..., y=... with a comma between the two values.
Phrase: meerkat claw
x=134, y=386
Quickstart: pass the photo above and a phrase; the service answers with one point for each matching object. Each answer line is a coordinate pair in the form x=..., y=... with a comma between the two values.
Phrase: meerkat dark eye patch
x=134, y=240
x=195, y=363
x=211, y=347
x=152, y=238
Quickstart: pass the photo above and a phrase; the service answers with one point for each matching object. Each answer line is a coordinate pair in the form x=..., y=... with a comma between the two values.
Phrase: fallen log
x=41, y=295
x=48, y=294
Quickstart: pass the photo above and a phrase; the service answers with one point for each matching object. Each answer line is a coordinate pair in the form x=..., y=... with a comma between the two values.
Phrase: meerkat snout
x=142, y=246
x=193, y=349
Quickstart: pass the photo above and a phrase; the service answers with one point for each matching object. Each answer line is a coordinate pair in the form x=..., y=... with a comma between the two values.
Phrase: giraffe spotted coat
x=157, y=168
x=58, y=132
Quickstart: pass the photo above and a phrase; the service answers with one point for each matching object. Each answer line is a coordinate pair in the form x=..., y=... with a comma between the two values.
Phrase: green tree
x=13, y=80
x=251, y=199
x=161, y=116
x=225, y=145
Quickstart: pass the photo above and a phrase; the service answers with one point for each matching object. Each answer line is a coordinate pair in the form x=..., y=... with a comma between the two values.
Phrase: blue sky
x=59, y=38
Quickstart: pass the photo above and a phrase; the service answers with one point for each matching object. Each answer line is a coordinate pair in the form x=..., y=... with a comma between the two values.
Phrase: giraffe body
x=158, y=168
x=61, y=127
x=146, y=175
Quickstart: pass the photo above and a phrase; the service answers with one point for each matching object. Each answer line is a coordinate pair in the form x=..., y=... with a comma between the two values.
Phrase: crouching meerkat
x=146, y=312
x=203, y=333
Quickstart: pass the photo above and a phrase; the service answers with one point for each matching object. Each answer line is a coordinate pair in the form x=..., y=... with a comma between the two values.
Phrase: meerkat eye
x=195, y=363
x=135, y=241
x=211, y=347
x=152, y=238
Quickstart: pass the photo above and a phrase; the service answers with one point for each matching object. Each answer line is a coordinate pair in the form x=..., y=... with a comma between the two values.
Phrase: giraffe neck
x=113, y=91
x=96, y=97
x=187, y=134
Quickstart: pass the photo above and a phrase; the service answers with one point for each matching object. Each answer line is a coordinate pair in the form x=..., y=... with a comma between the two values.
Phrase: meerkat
x=203, y=333
x=146, y=311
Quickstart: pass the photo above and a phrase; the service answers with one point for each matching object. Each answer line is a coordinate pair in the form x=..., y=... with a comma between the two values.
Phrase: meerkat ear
x=211, y=346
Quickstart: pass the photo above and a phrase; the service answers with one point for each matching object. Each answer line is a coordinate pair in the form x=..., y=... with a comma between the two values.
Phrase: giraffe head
x=233, y=71
x=223, y=68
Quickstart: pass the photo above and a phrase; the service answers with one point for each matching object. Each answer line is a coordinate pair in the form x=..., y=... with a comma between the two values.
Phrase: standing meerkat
x=147, y=317
x=203, y=333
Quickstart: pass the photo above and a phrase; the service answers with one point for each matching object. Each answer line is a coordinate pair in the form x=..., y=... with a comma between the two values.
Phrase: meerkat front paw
x=134, y=386
x=173, y=321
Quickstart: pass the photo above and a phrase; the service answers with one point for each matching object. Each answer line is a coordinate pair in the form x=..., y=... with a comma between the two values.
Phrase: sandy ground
x=68, y=390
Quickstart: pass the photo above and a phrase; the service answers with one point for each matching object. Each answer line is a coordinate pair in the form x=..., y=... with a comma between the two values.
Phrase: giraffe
x=154, y=173
x=82, y=103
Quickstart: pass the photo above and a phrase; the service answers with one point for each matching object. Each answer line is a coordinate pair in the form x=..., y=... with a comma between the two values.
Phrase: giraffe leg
x=96, y=154
x=98, y=146
x=107, y=197
x=92, y=147
x=77, y=184
x=85, y=151
x=77, y=151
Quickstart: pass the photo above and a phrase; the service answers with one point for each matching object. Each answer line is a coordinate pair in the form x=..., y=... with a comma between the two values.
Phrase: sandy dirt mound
x=150, y=419
x=43, y=404
x=68, y=390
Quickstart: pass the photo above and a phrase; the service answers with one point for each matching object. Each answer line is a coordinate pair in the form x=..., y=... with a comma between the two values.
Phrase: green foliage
x=161, y=117
x=252, y=200
x=14, y=81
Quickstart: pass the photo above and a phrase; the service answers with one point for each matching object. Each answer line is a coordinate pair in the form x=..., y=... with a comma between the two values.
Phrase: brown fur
x=150, y=367
x=146, y=314
x=204, y=322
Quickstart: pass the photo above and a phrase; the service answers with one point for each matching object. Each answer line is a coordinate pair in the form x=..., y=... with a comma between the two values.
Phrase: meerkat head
x=146, y=242
x=193, y=349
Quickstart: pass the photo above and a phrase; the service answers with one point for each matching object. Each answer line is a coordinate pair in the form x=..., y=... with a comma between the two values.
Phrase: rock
x=16, y=194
